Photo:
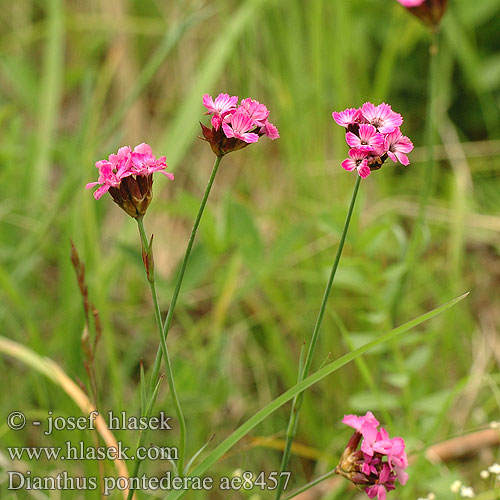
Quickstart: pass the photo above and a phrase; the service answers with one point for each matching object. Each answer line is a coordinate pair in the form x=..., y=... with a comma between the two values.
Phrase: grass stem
x=297, y=400
x=162, y=350
x=415, y=243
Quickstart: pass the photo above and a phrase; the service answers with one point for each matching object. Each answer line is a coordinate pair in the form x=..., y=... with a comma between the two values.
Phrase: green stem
x=310, y=485
x=168, y=366
x=237, y=435
x=141, y=441
x=415, y=242
x=168, y=320
x=151, y=280
x=297, y=400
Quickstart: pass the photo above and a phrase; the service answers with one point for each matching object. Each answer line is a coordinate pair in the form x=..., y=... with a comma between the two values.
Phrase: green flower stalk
x=374, y=136
x=233, y=128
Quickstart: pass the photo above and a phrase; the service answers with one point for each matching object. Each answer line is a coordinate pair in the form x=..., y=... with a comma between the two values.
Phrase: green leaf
x=244, y=233
x=319, y=375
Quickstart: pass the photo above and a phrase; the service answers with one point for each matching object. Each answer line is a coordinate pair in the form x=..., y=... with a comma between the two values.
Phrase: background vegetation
x=79, y=79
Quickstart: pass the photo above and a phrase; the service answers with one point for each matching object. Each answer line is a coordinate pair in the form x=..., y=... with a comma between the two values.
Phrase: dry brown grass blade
x=463, y=446
x=57, y=375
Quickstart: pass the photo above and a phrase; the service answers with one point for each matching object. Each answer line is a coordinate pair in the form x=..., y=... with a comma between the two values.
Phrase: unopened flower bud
x=428, y=11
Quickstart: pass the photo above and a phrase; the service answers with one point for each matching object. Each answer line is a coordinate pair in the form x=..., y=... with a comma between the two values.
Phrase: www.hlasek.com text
x=80, y=451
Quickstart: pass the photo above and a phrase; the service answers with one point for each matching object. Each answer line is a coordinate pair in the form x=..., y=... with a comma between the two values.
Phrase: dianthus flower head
x=380, y=461
x=128, y=177
x=373, y=134
x=428, y=11
x=235, y=126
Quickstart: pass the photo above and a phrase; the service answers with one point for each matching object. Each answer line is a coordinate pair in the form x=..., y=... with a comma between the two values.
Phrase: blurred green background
x=79, y=79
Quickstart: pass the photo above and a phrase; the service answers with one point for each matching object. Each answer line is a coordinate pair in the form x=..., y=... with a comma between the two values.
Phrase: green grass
x=79, y=80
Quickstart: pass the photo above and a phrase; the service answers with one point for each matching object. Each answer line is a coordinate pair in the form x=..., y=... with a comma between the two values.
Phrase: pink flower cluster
x=373, y=134
x=125, y=163
x=235, y=126
x=241, y=121
x=380, y=461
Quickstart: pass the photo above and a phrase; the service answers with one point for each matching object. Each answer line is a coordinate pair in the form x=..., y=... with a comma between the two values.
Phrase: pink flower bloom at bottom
x=357, y=160
x=396, y=144
x=380, y=461
x=239, y=126
x=384, y=483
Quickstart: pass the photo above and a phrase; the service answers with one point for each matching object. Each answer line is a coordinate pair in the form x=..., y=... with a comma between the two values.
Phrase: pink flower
x=270, y=130
x=219, y=108
x=357, y=422
x=384, y=483
x=396, y=145
x=411, y=3
x=349, y=116
x=380, y=461
x=381, y=117
x=121, y=161
x=238, y=125
x=107, y=178
x=145, y=163
x=255, y=110
x=373, y=134
x=394, y=449
x=358, y=160
x=367, y=140
x=128, y=176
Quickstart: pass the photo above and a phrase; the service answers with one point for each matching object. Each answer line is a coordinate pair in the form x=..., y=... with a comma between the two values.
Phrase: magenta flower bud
x=128, y=177
x=235, y=126
x=428, y=11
